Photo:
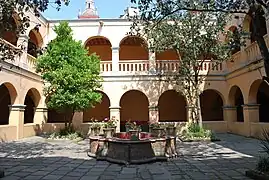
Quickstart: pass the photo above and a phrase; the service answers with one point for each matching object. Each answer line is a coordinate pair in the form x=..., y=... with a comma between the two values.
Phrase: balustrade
x=134, y=65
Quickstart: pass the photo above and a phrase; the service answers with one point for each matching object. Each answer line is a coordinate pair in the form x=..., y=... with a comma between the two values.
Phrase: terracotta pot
x=109, y=132
x=158, y=132
x=95, y=131
x=170, y=131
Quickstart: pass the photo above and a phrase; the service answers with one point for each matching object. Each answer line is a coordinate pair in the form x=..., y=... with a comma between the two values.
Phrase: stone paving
x=39, y=158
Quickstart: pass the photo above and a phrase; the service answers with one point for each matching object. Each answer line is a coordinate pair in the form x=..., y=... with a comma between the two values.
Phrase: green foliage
x=263, y=164
x=67, y=133
x=71, y=76
x=110, y=123
x=157, y=126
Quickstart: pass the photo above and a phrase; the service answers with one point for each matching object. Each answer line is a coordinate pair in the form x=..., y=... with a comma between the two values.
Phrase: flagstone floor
x=38, y=158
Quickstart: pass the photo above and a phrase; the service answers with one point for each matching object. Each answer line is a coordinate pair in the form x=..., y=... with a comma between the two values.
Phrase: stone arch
x=133, y=48
x=8, y=95
x=236, y=99
x=134, y=106
x=31, y=101
x=11, y=35
x=34, y=43
x=100, y=111
x=101, y=46
x=211, y=105
x=253, y=91
x=263, y=101
x=235, y=38
x=248, y=27
x=172, y=107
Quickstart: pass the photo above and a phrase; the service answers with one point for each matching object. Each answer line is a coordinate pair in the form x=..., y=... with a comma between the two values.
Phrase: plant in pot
x=133, y=129
x=95, y=127
x=170, y=129
x=158, y=129
x=109, y=127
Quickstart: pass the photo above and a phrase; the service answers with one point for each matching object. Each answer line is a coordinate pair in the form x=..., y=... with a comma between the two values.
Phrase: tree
x=157, y=10
x=196, y=37
x=71, y=76
x=14, y=18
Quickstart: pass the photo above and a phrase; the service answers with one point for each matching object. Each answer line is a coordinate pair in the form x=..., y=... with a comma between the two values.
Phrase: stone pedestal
x=16, y=118
x=229, y=115
x=153, y=114
x=41, y=118
x=115, y=112
x=251, y=114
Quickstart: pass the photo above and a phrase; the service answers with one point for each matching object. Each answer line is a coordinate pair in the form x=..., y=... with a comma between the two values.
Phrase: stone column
x=251, y=114
x=152, y=62
x=115, y=112
x=153, y=114
x=40, y=118
x=23, y=44
x=115, y=59
x=229, y=116
x=16, y=118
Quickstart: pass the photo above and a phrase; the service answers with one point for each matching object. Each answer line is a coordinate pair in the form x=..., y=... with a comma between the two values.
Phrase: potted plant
x=132, y=126
x=109, y=127
x=95, y=127
x=157, y=129
x=170, y=129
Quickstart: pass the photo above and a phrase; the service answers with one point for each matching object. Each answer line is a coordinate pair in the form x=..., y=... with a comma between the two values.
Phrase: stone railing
x=106, y=66
x=31, y=62
x=134, y=66
x=167, y=65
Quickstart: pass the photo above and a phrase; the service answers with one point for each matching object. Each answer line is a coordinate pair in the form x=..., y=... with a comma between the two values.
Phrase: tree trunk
x=199, y=112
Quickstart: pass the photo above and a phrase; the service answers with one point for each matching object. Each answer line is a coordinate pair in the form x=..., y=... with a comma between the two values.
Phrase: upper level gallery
x=123, y=55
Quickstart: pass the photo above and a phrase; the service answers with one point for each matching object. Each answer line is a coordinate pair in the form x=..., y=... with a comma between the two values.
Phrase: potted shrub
x=170, y=129
x=95, y=128
x=158, y=129
x=109, y=127
x=132, y=126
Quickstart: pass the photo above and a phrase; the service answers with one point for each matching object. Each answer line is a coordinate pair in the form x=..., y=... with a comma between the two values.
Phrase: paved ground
x=37, y=158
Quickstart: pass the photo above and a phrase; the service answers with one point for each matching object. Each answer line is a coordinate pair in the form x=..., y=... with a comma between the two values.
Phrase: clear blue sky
x=105, y=8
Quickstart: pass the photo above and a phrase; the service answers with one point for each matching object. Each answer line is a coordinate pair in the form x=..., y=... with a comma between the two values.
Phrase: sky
x=105, y=8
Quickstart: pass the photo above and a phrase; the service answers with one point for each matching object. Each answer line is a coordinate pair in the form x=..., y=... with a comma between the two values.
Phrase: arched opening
x=134, y=107
x=248, y=24
x=5, y=101
x=235, y=39
x=263, y=101
x=167, y=55
x=237, y=100
x=172, y=107
x=133, y=48
x=10, y=34
x=211, y=106
x=31, y=101
x=34, y=43
x=100, y=111
x=101, y=46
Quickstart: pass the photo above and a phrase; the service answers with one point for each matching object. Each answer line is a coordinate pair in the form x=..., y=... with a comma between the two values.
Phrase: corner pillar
x=115, y=113
x=153, y=114
x=115, y=59
x=16, y=118
x=23, y=44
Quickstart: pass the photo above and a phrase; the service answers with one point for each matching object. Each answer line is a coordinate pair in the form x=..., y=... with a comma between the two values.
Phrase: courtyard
x=40, y=158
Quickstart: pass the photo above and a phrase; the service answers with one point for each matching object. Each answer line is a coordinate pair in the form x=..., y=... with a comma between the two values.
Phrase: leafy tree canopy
x=157, y=10
x=71, y=76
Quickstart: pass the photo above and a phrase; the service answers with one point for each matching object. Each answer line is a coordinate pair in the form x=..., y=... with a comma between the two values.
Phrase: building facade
x=234, y=97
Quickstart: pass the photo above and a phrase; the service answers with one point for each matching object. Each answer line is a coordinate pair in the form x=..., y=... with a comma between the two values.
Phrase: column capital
x=153, y=108
x=115, y=108
x=251, y=106
x=17, y=107
x=115, y=49
x=228, y=107
x=41, y=109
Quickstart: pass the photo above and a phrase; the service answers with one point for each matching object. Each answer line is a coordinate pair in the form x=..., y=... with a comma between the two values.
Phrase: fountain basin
x=121, y=149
